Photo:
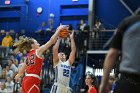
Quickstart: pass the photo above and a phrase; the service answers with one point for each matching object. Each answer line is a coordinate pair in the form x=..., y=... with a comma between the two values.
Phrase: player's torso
x=62, y=73
x=34, y=63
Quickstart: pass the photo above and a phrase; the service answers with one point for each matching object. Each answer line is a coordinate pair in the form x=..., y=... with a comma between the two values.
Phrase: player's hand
x=62, y=27
x=72, y=35
x=17, y=77
x=59, y=38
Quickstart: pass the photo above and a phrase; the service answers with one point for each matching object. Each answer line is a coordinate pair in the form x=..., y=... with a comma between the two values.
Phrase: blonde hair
x=24, y=43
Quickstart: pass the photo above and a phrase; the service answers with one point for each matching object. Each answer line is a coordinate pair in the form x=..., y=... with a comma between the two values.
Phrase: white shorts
x=59, y=88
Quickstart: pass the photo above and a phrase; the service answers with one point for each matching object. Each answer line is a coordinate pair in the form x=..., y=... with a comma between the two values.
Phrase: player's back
x=62, y=73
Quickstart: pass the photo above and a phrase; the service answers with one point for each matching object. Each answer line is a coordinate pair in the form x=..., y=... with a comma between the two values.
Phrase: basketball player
x=62, y=67
x=127, y=41
x=33, y=64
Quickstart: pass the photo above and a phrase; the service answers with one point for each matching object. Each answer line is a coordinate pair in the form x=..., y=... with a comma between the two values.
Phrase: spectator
x=12, y=66
x=90, y=80
x=3, y=88
x=81, y=25
x=96, y=33
x=110, y=83
x=41, y=32
x=51, y=25
x=21, y=64
x=24, y=54
x=18, y=56
x=3, y=76
x=9, y=85
x=15, y=62
x=70, y=27
x=98, y=25
x=0, y=70
x=9, y=73
x=7, y=40
x=42, y=29
x=16, y=37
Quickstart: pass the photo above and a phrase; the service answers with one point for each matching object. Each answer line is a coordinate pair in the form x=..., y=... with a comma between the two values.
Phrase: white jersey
x=62, y=73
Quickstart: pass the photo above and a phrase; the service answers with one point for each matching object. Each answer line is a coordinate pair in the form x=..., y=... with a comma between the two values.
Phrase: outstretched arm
x=55, y=52
x=73, y=49
x=108, y=65
x=50, y=42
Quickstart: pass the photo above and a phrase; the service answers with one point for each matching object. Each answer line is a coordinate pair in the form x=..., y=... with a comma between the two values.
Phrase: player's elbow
x=113, y=53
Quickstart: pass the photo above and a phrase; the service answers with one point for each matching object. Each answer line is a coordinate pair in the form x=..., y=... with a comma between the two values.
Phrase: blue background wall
x=23, y=15
x=20, y=15
x=111, y=12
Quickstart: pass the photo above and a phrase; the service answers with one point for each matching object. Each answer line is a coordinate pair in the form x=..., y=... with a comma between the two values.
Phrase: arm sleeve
x=117, y=41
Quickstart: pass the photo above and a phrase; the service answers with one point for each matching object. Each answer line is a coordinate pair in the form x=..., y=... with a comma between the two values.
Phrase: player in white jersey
x=62, y=67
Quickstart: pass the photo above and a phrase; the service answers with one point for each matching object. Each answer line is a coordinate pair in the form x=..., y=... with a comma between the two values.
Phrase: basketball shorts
x=59, y=88
x=30, y=84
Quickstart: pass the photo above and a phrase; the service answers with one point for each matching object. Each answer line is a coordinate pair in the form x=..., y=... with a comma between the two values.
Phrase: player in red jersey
x=33, y=63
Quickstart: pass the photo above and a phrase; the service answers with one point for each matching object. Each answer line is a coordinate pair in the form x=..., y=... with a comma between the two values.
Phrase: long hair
x=94, y=78
x=24, y=43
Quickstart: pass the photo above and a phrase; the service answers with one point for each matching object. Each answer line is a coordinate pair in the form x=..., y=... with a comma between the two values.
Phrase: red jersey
x=34, y=63
x=92, y=90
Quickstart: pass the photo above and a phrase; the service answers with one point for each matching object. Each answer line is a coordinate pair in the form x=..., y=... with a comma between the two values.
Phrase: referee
x=126, y=40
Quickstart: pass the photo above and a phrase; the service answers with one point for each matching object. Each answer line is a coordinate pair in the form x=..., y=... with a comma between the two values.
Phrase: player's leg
x=54, y=89
x=31, y=85
x=65, y=90
x=23, y=90
x=60, y=89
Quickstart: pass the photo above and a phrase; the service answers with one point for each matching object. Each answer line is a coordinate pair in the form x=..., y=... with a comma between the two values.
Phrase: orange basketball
x=63, y=33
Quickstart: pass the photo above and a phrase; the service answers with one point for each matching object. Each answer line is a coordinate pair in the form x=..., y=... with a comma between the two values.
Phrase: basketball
x=63, y=33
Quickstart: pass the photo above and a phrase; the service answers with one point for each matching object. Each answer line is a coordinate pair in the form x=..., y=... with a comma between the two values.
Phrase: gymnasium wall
x=111, y=12
x=21, y=15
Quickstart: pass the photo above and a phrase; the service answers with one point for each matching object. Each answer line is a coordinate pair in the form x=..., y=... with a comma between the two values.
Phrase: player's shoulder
x=126, y=22
x=58, y=64
x=67, y=62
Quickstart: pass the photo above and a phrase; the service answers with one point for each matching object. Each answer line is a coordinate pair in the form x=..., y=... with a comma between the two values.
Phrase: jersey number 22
x=66, y=72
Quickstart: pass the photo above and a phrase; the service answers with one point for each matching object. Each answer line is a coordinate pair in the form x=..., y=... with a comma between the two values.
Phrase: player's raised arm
x=50, y=42
x=55, y=52
x=73, y=49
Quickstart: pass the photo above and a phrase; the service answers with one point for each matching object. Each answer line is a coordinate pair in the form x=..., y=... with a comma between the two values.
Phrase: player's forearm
x=54, y=37
x=22, y=70
x=20, y=74
x=48, y=44
x=108, y=65
x=55, y=53
x=56, y=46
x=73, y=47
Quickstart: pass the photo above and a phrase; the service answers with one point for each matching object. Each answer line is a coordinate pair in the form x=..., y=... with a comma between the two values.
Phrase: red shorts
x=30, y=85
